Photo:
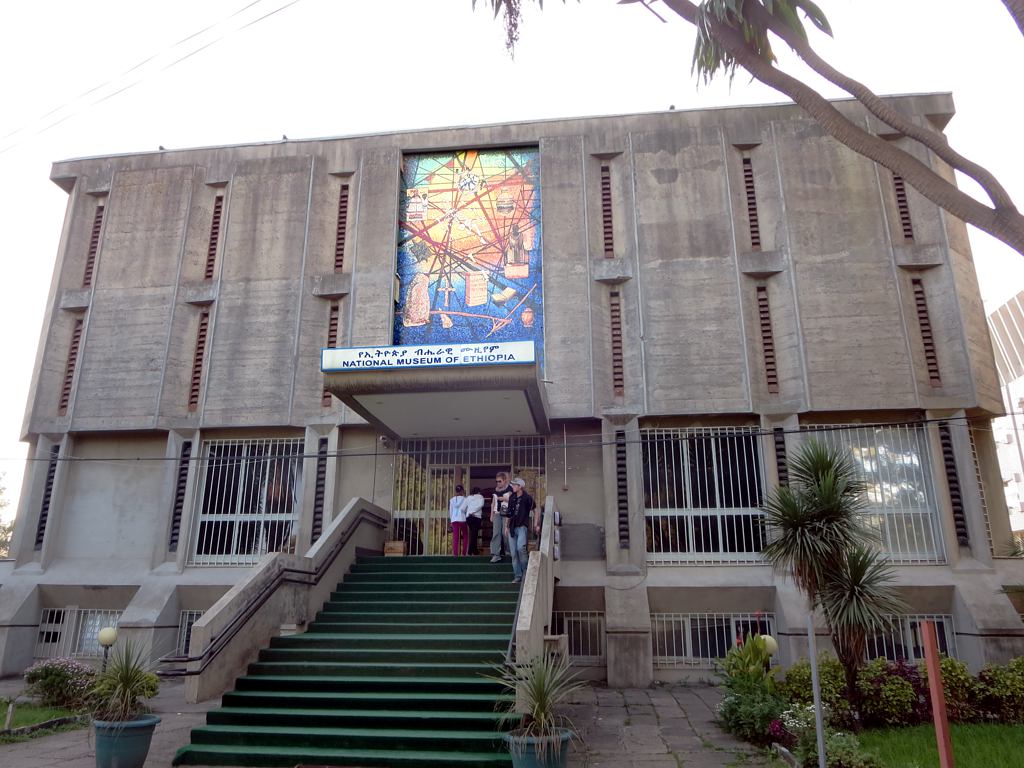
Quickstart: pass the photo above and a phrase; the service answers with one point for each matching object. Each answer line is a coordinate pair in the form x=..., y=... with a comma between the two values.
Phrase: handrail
x=248, y=610
x=533, y=615
x=282, y=589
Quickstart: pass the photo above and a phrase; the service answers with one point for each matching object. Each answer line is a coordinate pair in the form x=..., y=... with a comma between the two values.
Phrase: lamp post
x=107, y=637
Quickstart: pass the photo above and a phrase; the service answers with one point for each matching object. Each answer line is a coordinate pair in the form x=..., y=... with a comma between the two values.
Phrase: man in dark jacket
x=517, y=526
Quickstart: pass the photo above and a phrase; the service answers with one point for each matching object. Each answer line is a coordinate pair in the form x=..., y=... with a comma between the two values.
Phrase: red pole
x=931, y=656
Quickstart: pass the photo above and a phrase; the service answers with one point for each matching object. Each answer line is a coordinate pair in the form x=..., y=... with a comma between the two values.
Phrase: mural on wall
x=469, y=248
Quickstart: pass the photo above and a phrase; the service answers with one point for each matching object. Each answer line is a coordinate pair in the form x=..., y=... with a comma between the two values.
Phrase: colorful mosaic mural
x=469, y=248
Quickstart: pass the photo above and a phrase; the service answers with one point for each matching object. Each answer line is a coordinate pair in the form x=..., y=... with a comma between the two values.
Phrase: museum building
x=642, y=316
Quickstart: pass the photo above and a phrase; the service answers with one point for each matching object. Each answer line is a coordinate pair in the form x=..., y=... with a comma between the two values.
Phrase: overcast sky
x=116, y=76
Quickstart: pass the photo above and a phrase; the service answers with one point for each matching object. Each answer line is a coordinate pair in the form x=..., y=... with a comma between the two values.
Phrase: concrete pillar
x=619, y=432
x=627, y=616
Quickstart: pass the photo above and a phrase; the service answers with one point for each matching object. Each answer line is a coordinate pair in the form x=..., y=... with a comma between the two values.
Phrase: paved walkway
x=663, y=727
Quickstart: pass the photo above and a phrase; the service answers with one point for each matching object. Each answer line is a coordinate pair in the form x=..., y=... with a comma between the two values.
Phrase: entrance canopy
x=473, y=391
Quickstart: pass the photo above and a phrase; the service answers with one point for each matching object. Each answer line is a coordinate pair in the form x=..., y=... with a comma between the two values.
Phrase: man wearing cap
x=517, y=526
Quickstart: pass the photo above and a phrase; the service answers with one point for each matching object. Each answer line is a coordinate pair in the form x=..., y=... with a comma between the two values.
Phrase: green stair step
x=331, y=623
x=234, y=754
x=375, y=603
x=347, y=738
x=326, y=717
x=405, y=655
x=369, y=669
x=413, y=590
x=446, y=683
x=335, y=700
x=394, y=640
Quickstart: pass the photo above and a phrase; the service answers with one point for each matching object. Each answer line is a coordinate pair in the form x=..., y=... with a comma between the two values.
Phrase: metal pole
x=819, y=723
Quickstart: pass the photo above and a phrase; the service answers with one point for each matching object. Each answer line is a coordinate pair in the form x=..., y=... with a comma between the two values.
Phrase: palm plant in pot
x=539, y=686
x=122, y=720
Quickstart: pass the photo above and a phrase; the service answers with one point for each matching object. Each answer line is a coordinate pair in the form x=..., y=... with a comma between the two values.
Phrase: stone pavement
x=661, y=727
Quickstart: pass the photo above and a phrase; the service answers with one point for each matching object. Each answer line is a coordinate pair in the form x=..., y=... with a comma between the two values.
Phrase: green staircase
x=389, y=674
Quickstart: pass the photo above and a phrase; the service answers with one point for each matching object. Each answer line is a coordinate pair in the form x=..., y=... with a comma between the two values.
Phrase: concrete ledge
x=199, y=294
x=919, y=256
x=76, y=300
x=762, y=263
x=331, y=285
x=611, y=271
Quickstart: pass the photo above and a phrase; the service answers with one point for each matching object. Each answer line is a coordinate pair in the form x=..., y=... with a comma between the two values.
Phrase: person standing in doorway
x=499, y=514
x=474, y=518
x=457, y=514
x=517, y=526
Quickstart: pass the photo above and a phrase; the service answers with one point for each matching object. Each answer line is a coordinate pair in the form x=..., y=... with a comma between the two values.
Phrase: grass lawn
x=30, y=714
x=974, y=746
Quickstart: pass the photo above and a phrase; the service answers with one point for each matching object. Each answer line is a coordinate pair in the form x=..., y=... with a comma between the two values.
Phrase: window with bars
x=211, y=248
x=70, y=365
x=72, y=631
x=586, y=635
x=195, y=383
x=899, y=504
x=94, y=245
x=698, y=640
x=249, y=499
x=615, y=326
x=185, y=622
x=332, y=340
x=903, y=638
x=703, y=490
x=607, y=229
x=903, y=207
x=750, y=194
x=341, y=231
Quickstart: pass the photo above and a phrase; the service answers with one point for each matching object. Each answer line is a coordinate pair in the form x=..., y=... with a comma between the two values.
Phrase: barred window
x=903, y=638
x=698, y=639
x=703, y=489
x=72, y=631
x=893, y=462
x=250, y=498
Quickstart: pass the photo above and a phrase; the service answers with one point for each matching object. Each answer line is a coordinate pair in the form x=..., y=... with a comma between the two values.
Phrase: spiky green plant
x=539, y=687
x=120, y=690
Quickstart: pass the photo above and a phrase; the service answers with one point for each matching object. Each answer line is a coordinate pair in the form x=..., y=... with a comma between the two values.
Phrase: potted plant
x=539, y=687
x=123, y=724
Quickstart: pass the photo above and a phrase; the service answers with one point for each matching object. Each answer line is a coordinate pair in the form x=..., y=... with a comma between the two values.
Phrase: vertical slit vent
x=781, y=465
x=44, y=509
x=606, y=211
x=332, y=340
x=771, y=369
x=69, y=368
x=622, y=488
x=956, y=500
x=903, y=207
x=615, y=308
x=319, y=490
x=927, y=337
x=342, y=231
x=179, y=495
x=752, y=221
x=211, y=250
x=94, y=246
x=197, y=360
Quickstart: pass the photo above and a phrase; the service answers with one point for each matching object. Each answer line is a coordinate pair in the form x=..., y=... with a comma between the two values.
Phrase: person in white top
x=474, y=518
x=457, y=514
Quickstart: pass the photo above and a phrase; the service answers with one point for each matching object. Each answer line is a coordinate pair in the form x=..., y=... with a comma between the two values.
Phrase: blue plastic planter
x=525, y=754
x=124, y=744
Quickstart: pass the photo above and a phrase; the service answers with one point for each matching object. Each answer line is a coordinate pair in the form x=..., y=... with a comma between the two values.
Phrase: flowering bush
x=961, y=690
x=1000, y=691
x=750, y=713
x=797, y=688
x=892, y=694
x=61, y=682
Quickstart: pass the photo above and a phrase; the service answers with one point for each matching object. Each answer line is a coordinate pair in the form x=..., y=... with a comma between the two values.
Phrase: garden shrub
x=1001, y=691
x=796, y=688
x=892, y=694
x=842, y=750
x=960, y=688
x=61, y=682
x=749, y=713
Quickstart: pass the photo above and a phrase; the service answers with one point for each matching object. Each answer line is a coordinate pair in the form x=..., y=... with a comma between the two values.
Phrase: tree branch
x=1006, y=225
x=934, y=140
x=1016, y=9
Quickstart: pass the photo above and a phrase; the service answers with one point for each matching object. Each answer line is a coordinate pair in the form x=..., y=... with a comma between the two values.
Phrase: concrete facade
x=831, y=266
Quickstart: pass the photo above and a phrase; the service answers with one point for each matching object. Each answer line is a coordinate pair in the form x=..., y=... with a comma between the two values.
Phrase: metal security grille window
x=72, y=632
x=924, y=320
x=426, y=473
x=981, y=488
x=585, y=631
x=893, y=461
x=621, y=489
x=606, y=212
x=903, y=207
x=44, y=507
x=180, y=484
x=185, y=622
x=319, y=488
x=69, y=366
x=903, y=638
x=249, y=493
x=751, y=195
x=94, y=245
x=764, y=314
x=618, y=368
x=197, y=360
x=211, y=249
x=698, y=640
x=341, y=233
x=703, y=490
x=332, y=340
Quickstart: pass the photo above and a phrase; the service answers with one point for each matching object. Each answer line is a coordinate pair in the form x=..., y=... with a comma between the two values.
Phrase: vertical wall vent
x=781, y=464
x=771, y=369
x=319, y=489
x=94, y=246
x=606, y=212
x=211, y=249
x=751, y=195
x=179, y=495
x=342, y=230
x=69, y=367
x=44, y=508
x=197, y=360
x=618, y=375
x=332, y=341
x=622, y=488
x=903, y=206
x=956, y=500
x=927, y=336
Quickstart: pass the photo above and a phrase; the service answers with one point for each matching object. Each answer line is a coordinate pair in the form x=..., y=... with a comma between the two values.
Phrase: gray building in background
x=697, y=292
